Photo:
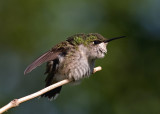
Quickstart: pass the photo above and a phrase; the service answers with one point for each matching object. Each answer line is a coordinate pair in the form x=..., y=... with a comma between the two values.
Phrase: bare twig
x=16, y=102
x=97, y=69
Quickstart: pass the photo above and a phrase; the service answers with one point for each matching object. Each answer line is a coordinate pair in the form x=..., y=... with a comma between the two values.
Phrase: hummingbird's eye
x=96, y=42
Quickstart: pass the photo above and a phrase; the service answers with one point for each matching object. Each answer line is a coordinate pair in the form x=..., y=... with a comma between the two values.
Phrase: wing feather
x=48, y=56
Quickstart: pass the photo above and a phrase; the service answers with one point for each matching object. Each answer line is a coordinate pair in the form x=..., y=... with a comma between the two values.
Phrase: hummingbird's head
x=95, y=45
x=98, y=47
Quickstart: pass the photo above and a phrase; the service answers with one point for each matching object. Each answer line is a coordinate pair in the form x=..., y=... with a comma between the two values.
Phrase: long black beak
x=114, y=39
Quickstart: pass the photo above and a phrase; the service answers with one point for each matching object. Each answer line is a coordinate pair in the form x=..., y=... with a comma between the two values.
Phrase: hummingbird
x=73, y=59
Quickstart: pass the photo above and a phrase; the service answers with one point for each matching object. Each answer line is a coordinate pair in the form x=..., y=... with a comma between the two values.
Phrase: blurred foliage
x=129, y=81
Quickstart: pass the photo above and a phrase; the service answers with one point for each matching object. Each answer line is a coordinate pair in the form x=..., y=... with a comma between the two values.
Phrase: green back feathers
x=85, y=38
x=78, y=39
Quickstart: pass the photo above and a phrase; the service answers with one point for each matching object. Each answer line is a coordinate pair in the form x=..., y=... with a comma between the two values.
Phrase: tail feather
x=53, y=94
x=51, y=69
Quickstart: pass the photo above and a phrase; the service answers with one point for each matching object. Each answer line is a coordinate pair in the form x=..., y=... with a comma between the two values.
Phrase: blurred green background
x=130, y=80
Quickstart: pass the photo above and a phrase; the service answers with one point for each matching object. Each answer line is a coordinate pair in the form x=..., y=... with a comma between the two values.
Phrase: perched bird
x=72, y=59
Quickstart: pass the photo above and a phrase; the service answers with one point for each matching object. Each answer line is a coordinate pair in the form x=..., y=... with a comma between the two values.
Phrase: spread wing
x=48, y=56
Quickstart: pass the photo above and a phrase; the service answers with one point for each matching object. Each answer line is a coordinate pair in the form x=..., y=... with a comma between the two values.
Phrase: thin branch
x=16, y=102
